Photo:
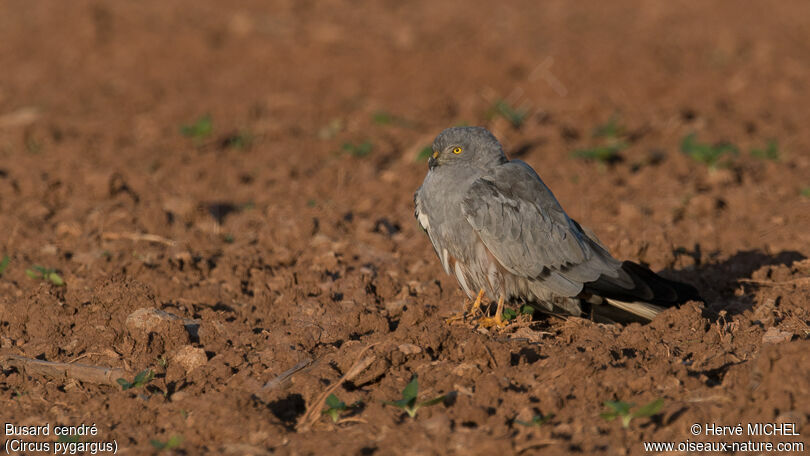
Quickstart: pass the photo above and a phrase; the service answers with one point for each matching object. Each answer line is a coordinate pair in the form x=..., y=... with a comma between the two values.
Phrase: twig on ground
x=81, y=372
x=491, y=357
x=799, y=281
x=535, y=444
x=286, y=375
x=107, y=236
x=314, y=411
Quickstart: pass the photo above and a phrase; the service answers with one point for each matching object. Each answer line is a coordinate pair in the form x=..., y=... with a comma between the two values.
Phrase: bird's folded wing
x=523, y=226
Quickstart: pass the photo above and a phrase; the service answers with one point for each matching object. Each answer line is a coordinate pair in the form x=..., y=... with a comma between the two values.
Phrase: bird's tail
x=649, y=295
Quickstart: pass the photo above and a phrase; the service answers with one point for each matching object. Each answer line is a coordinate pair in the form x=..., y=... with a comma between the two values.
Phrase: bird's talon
x=492, y=322
x=497, y=321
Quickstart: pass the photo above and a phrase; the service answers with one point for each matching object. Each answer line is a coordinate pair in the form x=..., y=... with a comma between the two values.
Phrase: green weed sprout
x=173, y=442
x=537, y=420
x=4, y=264
x=708, y=154
x=621, y=409
x=515, y=116
x=408, y=402
x=386, y=118
x=142, y=378
x=805, y=192
x=358, y=150
x=602, y=154
x=335, y=407
x=68, y=439
x=511, y=314
x=240, y=140
x=609, y=134
x=43, y=273
x=331, y=129
x=382, y=118
x=770, y=152
x=610, y=129
x=200, y=129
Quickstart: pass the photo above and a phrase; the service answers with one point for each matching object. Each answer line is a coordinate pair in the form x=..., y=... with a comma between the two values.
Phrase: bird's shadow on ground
x=717, y=280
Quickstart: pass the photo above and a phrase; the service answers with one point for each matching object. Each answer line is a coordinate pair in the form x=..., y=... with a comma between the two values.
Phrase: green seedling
x=382, y=118
x=43, y=273
x=620, y=409
x=424, y=154
x=713, y=156
x=537, y=420
x=173, y=442
x=32, y=146
x=610, y=145
x=142, y=378
x=386, y=118
x=805, y=192
x=4, y=264
x=331, y=129
x=241, y=140
x=358, y=150
x=610, y=129
x=228, y=238
x=68, y=439
x=515, y=116
x=335, y=407
x=408, y=402
x=602, y=154
x=199, y=130
x=770, y=152
x=509, y=314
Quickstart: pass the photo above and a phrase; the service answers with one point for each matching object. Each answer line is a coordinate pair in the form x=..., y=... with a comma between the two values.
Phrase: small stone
x=395, y=308
x=190, y=357
x=721, y=177
x=776, y=336
x=48, y=249
x=148, y=319
x=410, y=349
x=466, y=370
x=438, y=425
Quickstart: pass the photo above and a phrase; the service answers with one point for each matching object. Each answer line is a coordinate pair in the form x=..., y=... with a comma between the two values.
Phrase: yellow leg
x=497, y=320
x=476, y=306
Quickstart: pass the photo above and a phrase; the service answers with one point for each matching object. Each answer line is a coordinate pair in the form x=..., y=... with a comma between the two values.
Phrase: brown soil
x=277, y=246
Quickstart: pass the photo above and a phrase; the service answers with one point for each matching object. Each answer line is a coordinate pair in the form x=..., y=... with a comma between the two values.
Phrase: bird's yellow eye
x=457, y=150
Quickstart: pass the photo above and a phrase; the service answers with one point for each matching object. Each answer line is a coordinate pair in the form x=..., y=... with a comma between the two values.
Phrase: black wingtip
x=647, y=286
x=665, y=292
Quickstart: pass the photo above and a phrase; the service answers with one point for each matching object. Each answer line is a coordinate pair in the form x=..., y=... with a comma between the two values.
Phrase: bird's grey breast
x=439, y=211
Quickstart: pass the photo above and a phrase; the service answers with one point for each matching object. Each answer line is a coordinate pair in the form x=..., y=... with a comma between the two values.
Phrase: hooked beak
x=432, y=160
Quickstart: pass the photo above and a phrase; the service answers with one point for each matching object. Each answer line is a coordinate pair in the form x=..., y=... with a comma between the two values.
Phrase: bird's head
x=466, y=146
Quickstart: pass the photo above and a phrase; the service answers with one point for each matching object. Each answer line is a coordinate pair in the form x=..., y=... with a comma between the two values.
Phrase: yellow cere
x=435, y=154
x=457, y=150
